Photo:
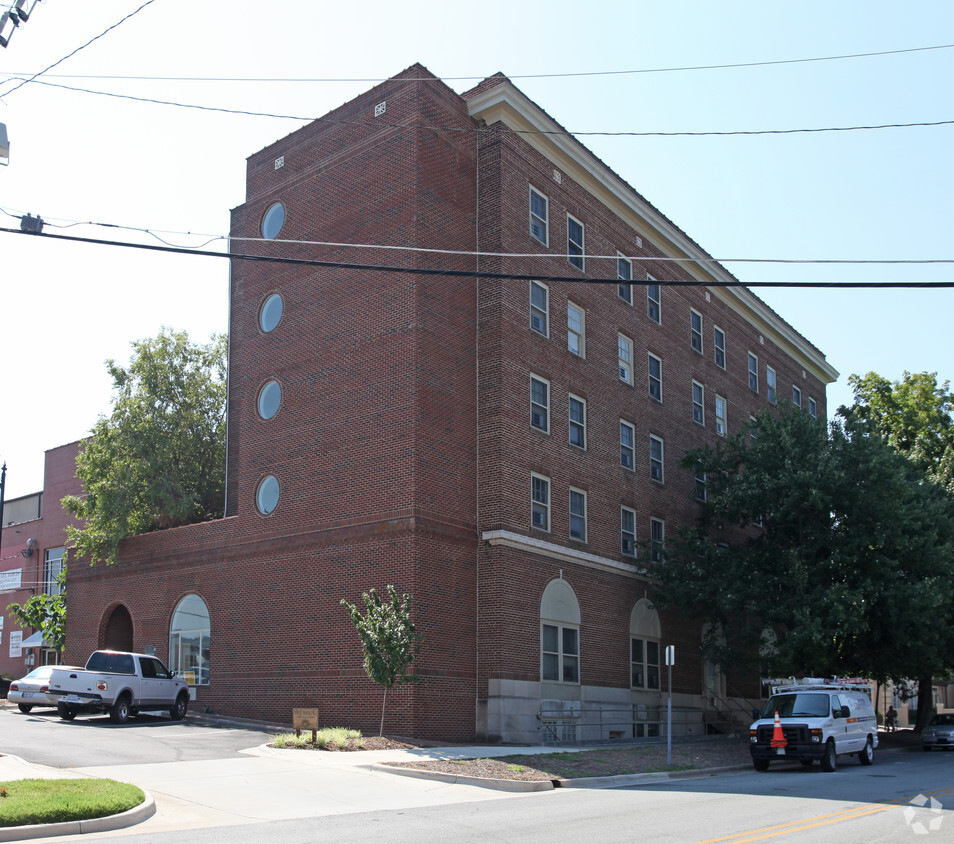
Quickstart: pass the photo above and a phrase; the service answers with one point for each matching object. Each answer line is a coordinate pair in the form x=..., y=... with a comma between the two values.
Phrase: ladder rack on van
x=807, y=684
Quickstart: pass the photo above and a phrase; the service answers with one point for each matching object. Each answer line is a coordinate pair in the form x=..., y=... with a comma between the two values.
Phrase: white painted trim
x=519, y=542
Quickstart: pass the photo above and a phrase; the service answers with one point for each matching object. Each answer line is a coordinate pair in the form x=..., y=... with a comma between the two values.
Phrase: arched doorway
x=118, y=631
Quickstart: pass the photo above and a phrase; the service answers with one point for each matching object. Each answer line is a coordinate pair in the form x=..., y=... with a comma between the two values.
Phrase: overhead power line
x=567, y=75
x=459, y=129
x=424, y=271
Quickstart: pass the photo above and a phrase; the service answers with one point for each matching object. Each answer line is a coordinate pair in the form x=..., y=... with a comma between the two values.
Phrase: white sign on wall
x=10, y=579
x=16, y=637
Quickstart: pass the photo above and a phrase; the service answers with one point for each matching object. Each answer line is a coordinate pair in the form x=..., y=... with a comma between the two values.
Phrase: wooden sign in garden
x=306, y=719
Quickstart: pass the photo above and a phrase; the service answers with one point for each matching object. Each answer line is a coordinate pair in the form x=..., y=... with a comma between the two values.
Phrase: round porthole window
x=266, y=499
x=273, y=221
x=269, y=399
x=271, y=313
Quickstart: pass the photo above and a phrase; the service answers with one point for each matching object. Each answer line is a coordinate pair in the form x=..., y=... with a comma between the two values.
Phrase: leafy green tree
x=158, y=460
x=827, y=538
x=389, y=639
x=46, y=613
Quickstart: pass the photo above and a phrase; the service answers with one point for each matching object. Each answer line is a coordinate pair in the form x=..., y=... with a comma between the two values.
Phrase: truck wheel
x=24, y=707
x=178, y=710
x=830, y=760
x=119, y=711
x=866, y=757
x=67, y=713
x=760, y=764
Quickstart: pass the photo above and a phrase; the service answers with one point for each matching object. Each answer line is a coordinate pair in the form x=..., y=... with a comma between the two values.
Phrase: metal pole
x=670, y=659
x=3, y=486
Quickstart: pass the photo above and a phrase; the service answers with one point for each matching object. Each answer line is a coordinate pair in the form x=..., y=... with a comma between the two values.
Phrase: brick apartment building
x=498, y=447
x=32, y=550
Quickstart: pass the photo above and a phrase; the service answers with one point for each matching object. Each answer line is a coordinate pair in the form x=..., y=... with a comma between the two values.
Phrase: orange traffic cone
x=778, y=737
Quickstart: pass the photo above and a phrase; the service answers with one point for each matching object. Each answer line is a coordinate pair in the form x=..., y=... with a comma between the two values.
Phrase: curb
x=460, y=779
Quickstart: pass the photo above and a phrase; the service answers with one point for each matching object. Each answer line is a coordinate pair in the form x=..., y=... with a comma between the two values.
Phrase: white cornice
x=551, y=550
x=507, y=104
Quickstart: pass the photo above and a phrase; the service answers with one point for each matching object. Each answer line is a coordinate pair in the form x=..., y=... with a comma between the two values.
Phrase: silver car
x=33, y=690
x=940, y=732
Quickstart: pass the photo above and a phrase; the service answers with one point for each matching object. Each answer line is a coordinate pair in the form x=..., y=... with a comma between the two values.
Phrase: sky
x=79, y=158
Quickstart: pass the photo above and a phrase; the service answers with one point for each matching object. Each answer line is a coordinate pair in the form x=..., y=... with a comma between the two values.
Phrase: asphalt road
x=45, y=738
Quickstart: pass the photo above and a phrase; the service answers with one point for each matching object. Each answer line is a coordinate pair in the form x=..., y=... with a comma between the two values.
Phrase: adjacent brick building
x=498, y=443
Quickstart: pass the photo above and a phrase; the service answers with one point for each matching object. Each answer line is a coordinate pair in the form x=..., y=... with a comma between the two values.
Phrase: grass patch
x=24, y=802
x=325, y=739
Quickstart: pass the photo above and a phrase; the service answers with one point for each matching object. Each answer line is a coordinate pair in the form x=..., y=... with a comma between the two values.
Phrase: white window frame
x=812, y=408
x=653, y=303
x=561, y=653
x=576, y=329
x=543, y=314
x=624, y=356
x=701, y=482
x=753, y=372
x=657, y=466
x=657, y=538
x=721, y=415
x=578, y=425
x=796, y=396
x=539, y=504
x=655, y=380
x=577, y=514
x=718, y=344
x=535, y=405
x=644, y=662
x=624, y=272
x=698, y=403
x=52, y=566
x=627, y=531
x=771, y=385
x=576, y=252
x=544, y=220
x=186, y=627
x=695, y=331
x=630, y=449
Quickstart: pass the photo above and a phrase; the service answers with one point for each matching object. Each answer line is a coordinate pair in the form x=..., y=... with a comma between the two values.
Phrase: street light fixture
x=4, y=146
x=19, y=13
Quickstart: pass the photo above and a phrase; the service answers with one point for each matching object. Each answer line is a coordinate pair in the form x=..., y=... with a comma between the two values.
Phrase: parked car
x=939, y=732
x=33, y=690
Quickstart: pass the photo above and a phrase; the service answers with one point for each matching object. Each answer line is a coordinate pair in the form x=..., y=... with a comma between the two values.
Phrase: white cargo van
x=819, y=719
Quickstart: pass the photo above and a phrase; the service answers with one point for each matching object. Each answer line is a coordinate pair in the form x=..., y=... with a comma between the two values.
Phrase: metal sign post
x=670, y=661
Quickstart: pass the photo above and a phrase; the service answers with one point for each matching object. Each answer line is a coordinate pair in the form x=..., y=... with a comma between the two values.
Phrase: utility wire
x=568, y=75
x=415, y=127
x=312, y=262
x=83, y=46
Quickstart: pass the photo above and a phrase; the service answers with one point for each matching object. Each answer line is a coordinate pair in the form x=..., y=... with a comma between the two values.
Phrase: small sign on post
x=306, y=719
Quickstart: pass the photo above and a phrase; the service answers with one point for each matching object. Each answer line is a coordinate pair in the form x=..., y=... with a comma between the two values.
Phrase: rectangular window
x=577, y=514
x=812, y=408
x=656, y=458
x=574, y=242
x=753, y=372
x=627, y=445
x=718, y=342
x=624, y=272
x=695, y=330
x=796, y=396
x=700, y=483
x=753, y=428
x=577, y=409
x=721, y=414
x=576, y=329
x=698, y=403
x=560, y=646
x=540, y=404
x=540, y=501
x=627, y=531
x=655, y=377
x=52, y=566
x=653, y=301
x=644, y=658
x=657, y=538
x=770, y=385
x=538, y=217
x=540, y=308
x=625, y=356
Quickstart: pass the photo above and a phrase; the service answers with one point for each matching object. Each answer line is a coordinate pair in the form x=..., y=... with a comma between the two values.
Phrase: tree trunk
x=925, y=702
x=384, y=703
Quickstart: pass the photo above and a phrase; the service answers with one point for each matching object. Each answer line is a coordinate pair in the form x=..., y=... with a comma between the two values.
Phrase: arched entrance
x=118, y=631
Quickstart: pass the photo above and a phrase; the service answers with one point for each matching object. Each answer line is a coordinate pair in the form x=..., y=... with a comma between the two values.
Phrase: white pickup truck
x=122, y=684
